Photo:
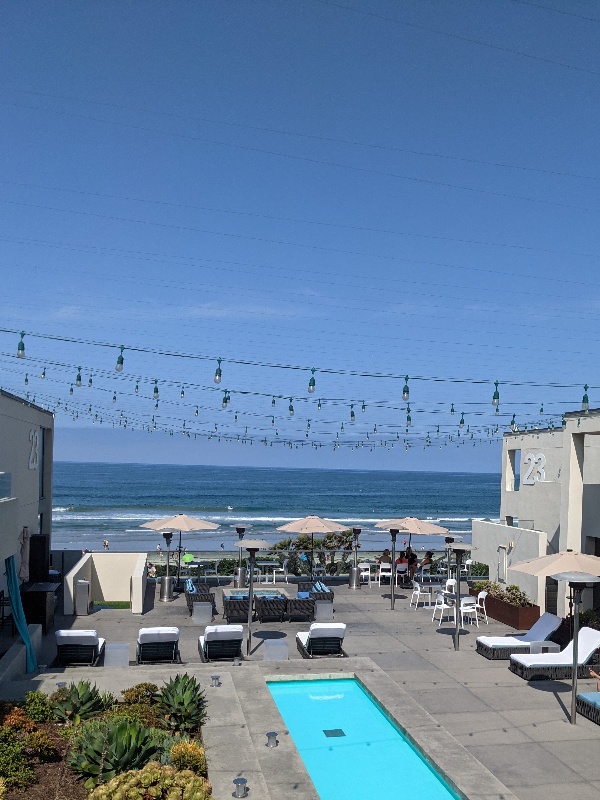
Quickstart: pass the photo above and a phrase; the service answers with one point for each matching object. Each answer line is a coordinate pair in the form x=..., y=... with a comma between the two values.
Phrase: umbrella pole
x=312, y=556
x=393, y=576
x=577, y=601
x=458, y=554
x=179, y=562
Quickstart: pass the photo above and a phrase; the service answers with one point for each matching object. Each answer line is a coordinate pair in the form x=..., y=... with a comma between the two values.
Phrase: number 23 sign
x=534, y=469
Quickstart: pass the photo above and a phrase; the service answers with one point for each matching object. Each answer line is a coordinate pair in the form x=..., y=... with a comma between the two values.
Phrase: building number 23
x=34, y=452
x=534, y=469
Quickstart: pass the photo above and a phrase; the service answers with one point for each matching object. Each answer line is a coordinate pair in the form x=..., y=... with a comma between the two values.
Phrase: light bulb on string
x=218, y=373
x=405, y=390
x=273, y=402
x=71, y=389
x=452, y=408
x=137, y=387
x=120, y=360
x=311, y=382
x=585, y=402
x=90, y=382
x=342, y=428
x=291, y=407
x=182, y=393
x=155, y=390
x=43, y=373
x=224, y=402
x=542, y=409
x=196, y=412
x=352, y=414
x=497, y=412
x=273, y=421
x=513, y=424
x=78, y=378
x=21, y=346
x=115, y=397
x=461, y=423
x=408, y=417
x=235, y=417
x=319, y=405
x=26, y=379
x=496, y=395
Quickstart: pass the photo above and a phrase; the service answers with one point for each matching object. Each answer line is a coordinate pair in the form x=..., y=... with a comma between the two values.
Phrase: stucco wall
x=499, y=544
x=24, y=453
x=112, y=577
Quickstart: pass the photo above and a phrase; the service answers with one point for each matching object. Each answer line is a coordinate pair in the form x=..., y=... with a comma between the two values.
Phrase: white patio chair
x=468, y=611
x=364, y=573
x=281, y=570
x=384, y=571
x=450, y=585
x=480, y=605
x=443, y=606
x=401, y=573
x=417, y=595
x=212, y=571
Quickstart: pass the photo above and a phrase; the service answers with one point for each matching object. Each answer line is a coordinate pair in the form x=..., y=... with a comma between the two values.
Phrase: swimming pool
x=349, y=746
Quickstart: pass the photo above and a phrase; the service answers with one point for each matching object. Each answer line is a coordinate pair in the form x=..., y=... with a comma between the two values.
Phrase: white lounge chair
x=322, y=639
x=158, y=645
x=78, y=647
x=502, y=647
x=557, y=666
x=221, y=642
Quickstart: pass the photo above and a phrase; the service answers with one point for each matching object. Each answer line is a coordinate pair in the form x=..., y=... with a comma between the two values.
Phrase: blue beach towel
x=189, y=586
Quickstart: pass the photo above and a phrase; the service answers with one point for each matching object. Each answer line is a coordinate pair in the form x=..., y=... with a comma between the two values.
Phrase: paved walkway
x=493, y=735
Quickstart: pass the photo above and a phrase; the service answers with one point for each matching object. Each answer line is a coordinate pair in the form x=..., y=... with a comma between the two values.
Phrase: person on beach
x=158, y=548
x=151, y=571
x=428, y=560
x=105, y=544
x=595, y=675
x=402, y=559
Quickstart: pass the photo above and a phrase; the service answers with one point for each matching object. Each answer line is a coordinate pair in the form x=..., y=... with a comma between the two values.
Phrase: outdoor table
x=266, y=565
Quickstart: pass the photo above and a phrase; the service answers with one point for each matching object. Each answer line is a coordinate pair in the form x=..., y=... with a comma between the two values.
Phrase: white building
x=550, y=502
x=26, y=441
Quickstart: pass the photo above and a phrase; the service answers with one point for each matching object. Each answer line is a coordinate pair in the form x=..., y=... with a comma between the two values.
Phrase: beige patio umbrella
x=565, y=561
x=413, y=526
x=180, y=522
x=312, y=525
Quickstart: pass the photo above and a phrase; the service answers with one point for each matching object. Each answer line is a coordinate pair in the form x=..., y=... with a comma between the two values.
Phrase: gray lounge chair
x=78, y=647
x=502, y=647
x=221, y=642
x=558, y=666
x=588, y=705
x=322, y=639
x=156, y=645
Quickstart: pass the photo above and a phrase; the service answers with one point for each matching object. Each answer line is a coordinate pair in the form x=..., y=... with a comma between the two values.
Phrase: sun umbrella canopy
x=565, y=561
x=412, y=525
x=313, y=525
x=253, y=544
x=180, y=522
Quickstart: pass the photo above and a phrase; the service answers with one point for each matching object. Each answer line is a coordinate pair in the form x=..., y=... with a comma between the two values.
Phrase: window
x=513, y=471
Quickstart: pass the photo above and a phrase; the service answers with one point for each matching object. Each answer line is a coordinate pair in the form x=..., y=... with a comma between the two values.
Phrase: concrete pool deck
x=494, y=736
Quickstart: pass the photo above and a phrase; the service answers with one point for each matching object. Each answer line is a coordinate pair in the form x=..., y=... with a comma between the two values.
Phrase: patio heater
x=458, y=548
x=239, y=580
x=354, y=582
x=252, y=546
x=166, y=584
x=393, y=534
x=449, y=540
x=578, y=581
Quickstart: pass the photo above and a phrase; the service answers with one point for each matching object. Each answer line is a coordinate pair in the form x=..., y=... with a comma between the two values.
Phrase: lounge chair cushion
x=303, y=595
x=593, y=698
x=589, y=642
x=539, y=632
x=190, y=586
x=158, y=635
x=78, y=637
x=215, y=632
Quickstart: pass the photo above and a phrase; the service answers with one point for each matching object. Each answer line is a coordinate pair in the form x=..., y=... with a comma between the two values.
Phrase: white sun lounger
x=78, y=647
x=322, y=639
x=221, y=642
x=557, y=666
x=502, y=647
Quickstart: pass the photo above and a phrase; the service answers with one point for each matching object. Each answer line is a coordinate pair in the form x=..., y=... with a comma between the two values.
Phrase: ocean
x=93, y=502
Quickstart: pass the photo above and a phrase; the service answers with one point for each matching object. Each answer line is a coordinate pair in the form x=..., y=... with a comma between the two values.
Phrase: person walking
x=105, y=544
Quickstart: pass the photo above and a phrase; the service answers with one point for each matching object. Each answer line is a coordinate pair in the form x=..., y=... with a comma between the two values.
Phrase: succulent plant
x=155, y=781
x=182, y=704
x=104, y=750
x=79, y=701
x=140, y=693
x=189, y=755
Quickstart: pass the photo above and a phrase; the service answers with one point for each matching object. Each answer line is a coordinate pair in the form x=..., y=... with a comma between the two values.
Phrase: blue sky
x=370, y=189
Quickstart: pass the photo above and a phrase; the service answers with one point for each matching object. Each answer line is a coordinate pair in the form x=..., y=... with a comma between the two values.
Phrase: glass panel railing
x=5, y=483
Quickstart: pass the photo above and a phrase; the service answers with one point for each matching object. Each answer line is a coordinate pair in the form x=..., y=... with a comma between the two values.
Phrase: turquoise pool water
x=349, y=746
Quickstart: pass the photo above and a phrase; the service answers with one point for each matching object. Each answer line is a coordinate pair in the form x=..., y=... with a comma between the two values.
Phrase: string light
x=311, y=382
x=513, y=424
x=452, y=408
x=196, y=412
x=155, y=390
x=218, y=373
x=352, y=414
x=90, y=382
x=120, y=360
x=78, y=378
x=182, y=393
x=21, y=347
x=496, y=395
x=273, y=402
x=225, y=401
x=71, y=389
x=461, y=424
x=542, y=409
x=115, y=397
x=26, y=379
x=405, y=390
x=43, y=373
x=585, y=402
x=291, y=408
x=363, y=408
x=137, y=387
x=319, y=405
x=408, y=417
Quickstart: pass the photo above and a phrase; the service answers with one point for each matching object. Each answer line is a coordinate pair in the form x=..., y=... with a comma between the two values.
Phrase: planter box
x=518, y=617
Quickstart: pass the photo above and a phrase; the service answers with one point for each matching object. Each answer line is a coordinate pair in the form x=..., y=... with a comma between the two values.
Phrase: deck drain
x=334, y=732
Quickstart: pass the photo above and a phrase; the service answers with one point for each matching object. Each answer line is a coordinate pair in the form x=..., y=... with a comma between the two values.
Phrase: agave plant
x=80, y=701
x=104, y=751
x=182, y=704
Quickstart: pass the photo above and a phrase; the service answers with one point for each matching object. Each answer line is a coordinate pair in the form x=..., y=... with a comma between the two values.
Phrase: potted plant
x=509, y=604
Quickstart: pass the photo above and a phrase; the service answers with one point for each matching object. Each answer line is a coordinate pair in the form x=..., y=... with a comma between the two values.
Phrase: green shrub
x=40, y=746
x=512, y=595
x=477, y=568
x=189, y=755
x=107, y=749
x=143, y=713
x=182, y=704
x=155, y=781
x=14, y=767
x=140, y=693
x=589, y=619
x=37, y=707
